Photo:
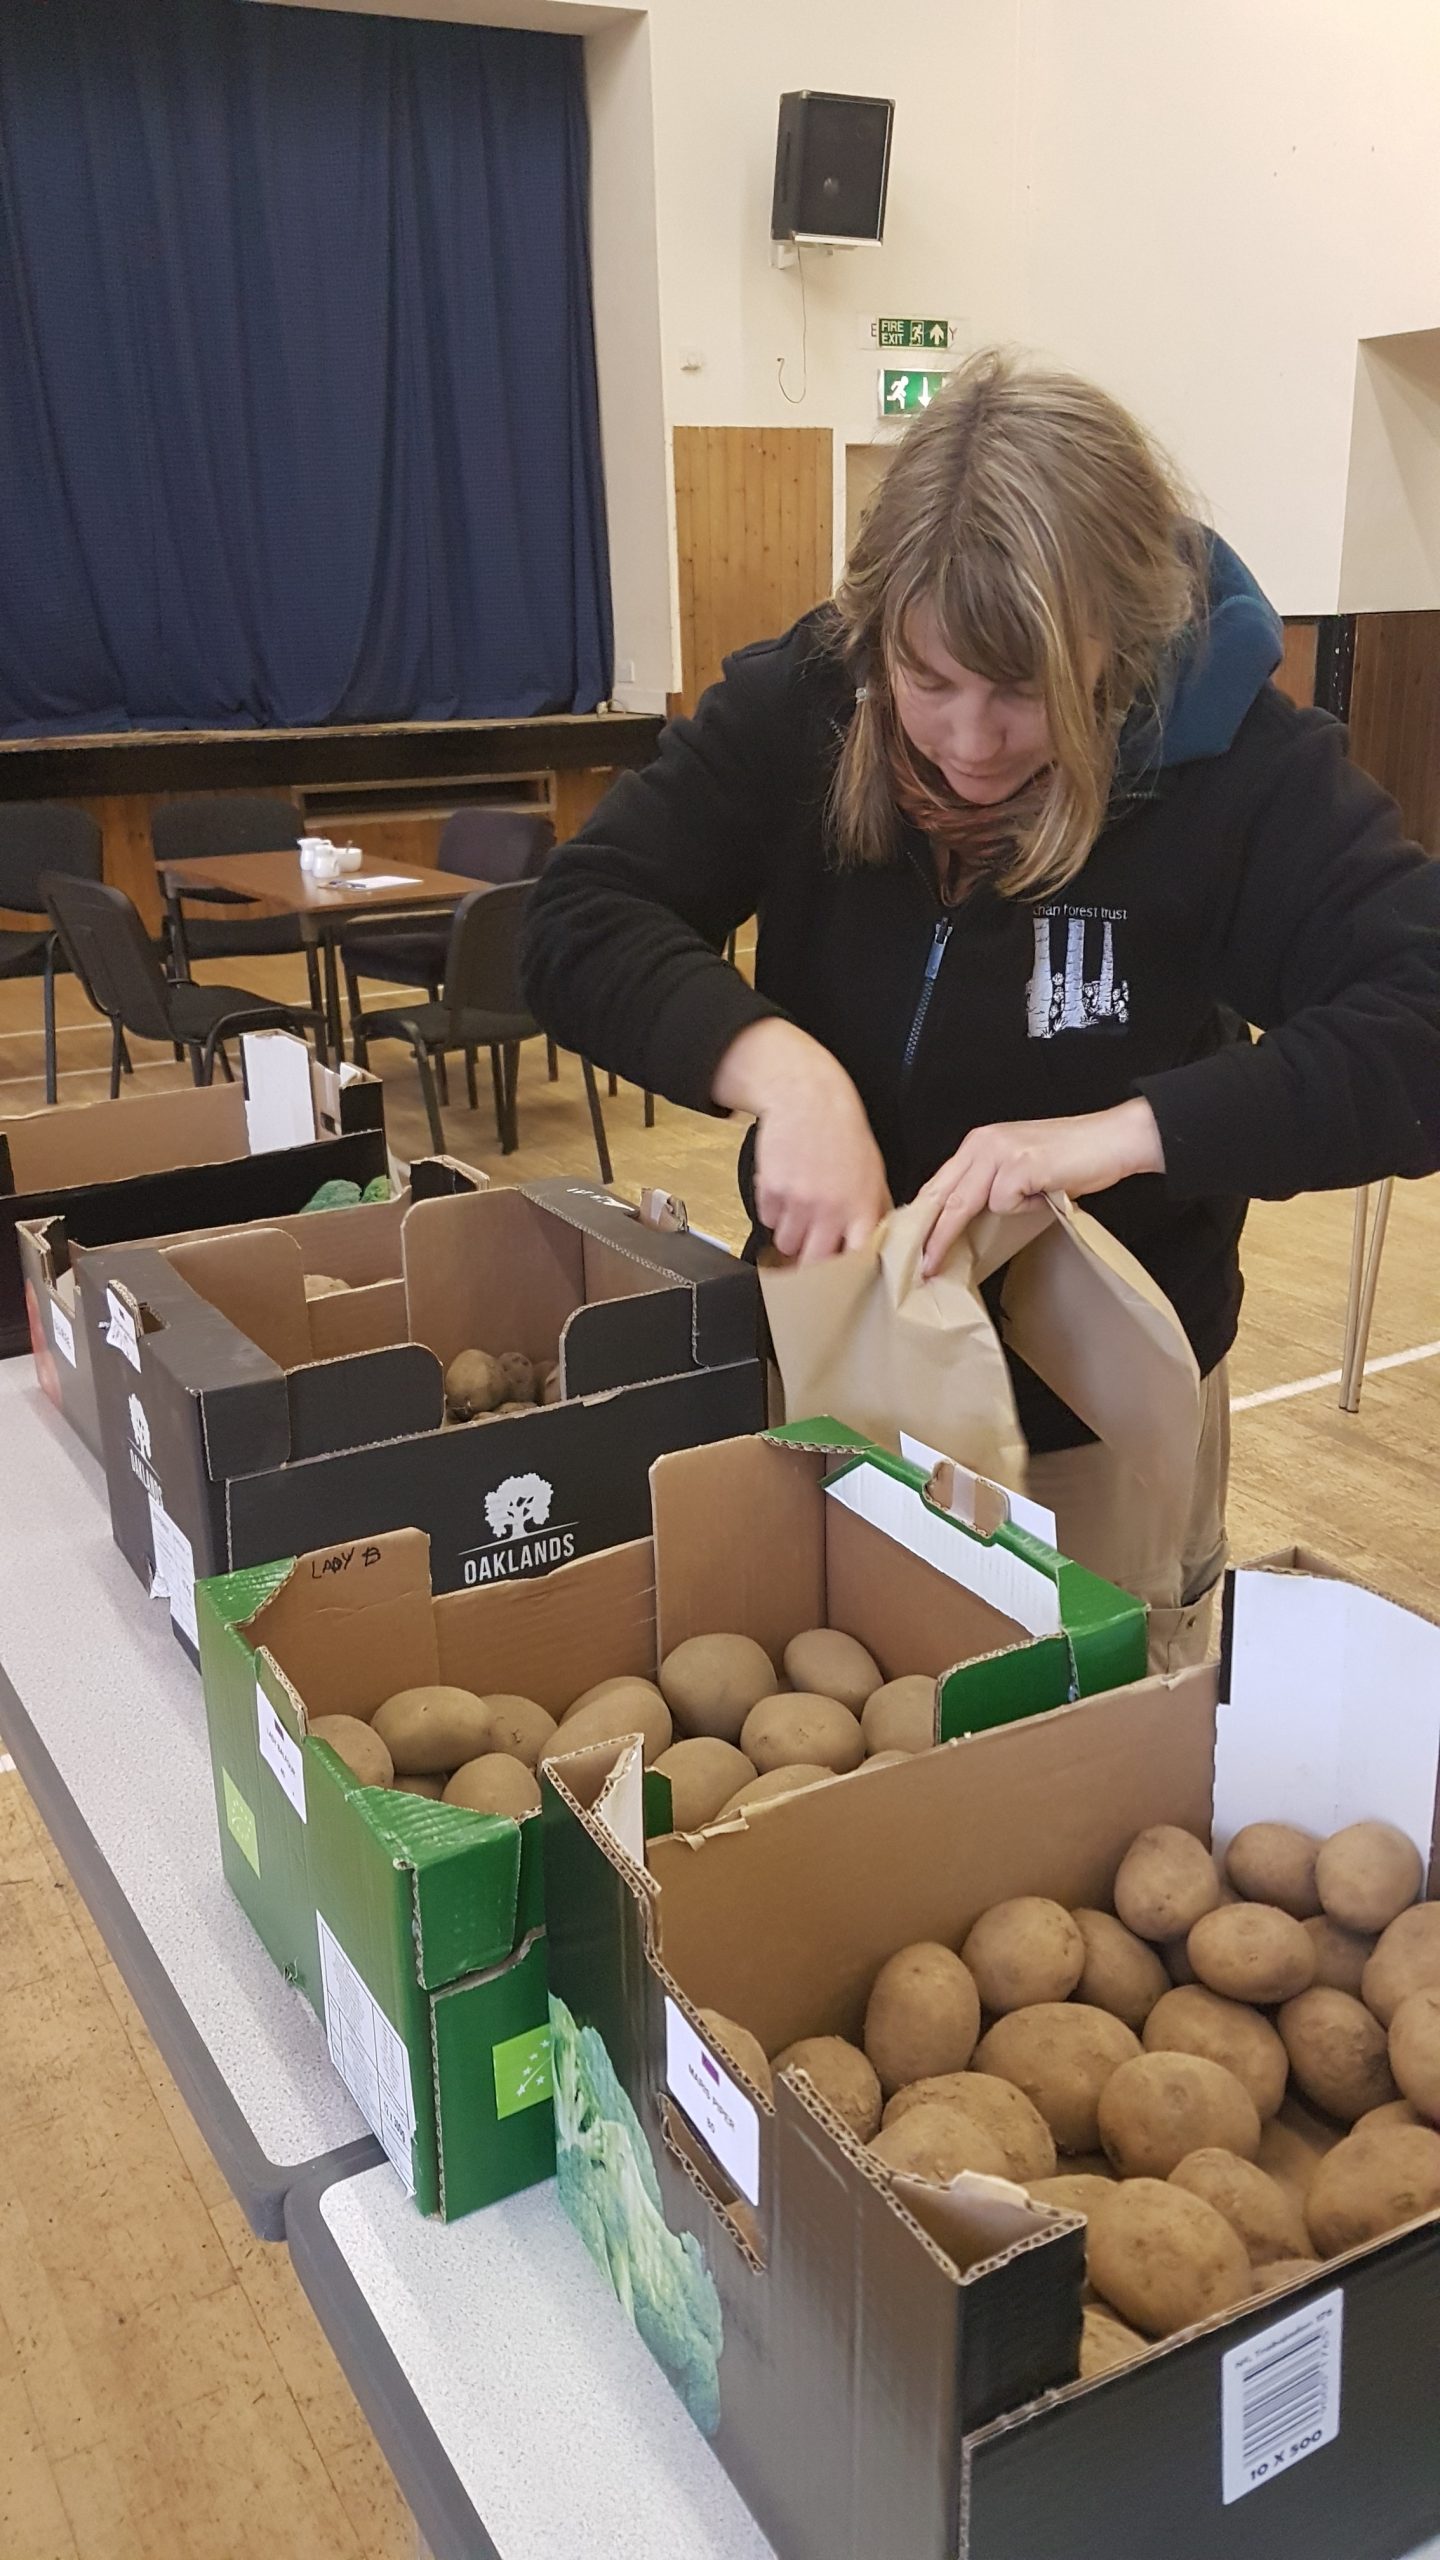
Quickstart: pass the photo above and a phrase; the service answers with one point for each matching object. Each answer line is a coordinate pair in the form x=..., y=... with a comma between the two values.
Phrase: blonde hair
x=1039, y=521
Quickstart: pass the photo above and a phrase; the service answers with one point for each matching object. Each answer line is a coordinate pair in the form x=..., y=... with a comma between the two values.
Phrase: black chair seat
x=413, y=955
x=195, y=1009
x=433, y=1024
x=233, y=941
x=22, y=955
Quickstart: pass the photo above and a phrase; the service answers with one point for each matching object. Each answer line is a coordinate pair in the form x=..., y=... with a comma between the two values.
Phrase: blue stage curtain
x=298, y=416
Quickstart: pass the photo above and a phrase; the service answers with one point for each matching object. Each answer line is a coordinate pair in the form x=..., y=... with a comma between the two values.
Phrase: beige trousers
x=1104, y=1519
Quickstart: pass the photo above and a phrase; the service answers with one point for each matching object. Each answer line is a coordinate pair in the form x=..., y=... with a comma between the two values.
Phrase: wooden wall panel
x=1296, y=673
x=753, y=509
x=1395, y=713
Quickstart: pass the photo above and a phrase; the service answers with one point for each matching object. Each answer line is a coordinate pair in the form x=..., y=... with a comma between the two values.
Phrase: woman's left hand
x=1016, y=1161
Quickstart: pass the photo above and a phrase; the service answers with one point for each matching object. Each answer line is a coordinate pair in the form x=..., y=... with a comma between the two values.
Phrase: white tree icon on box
x=518, y=1506
x=139, y=1427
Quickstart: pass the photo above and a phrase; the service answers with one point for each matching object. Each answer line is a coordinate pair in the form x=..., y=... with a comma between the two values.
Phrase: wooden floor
x=165, y=2393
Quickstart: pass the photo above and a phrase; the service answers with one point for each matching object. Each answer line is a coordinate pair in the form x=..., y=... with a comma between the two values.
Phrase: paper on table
x=379, y=880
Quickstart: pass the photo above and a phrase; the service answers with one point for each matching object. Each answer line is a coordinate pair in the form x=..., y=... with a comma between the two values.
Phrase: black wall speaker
x=832, y=166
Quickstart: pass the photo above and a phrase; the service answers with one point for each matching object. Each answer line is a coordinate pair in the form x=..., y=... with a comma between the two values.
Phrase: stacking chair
x=478, y=1006
x=114, y=959
x=36, y=837
x=214, y=825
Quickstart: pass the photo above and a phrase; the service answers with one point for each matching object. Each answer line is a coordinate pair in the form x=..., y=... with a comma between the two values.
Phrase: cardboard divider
x=770, y=1581
x=373, y=1318
x=492, y=1277
x=353, y=1624
x=784, y=1921
x=588, y=1621
x=253, y=1277
x=898, y=1607
x=72, y=1143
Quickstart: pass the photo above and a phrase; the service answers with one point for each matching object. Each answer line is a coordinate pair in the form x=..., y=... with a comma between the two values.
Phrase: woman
x=1031, y=838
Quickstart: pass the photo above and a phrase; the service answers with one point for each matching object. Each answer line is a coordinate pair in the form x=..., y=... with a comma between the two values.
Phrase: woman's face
x=987, y=739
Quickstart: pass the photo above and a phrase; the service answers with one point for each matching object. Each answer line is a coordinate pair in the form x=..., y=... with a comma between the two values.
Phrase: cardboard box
x=891, y=2372
x=239, y=1421
x=102, y=1173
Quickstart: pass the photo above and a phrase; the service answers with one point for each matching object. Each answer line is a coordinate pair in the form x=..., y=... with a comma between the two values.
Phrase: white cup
x=348, y=857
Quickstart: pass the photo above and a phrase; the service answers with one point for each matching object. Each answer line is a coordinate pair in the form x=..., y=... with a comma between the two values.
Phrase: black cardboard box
x=160, y=1164
x=887, y=2372
x=241, y=1422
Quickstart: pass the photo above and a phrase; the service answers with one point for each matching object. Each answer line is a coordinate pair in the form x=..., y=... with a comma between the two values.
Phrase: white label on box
x=1280, y=2396
x=715, y=2104
x=120, y=1332
x=368, y=2055
x=280, y=1752
x=63, y=1334
x=174, y=1575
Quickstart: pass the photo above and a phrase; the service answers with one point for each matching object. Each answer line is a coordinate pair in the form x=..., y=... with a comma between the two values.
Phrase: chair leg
x=312, y=972
x=649, y=1108
x=614, y=1084
x=198, y=1073
x=470, y=1087
x=127, y=1067
x=427, y=1089
x=52, y=1087
x=117, y=1051
x=223, y=1054
x=442, y=1076
x=512, y=1080
x=552, y=1061
x=1364, y=1282
x=497, y=1078
x=597, y=1121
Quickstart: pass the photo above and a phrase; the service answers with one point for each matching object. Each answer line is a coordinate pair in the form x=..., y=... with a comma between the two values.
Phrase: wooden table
x=273, y=884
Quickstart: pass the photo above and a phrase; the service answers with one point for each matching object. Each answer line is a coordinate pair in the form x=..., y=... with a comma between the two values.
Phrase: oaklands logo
x=523, y=1537
x=139, y=1427
x=519, y=1506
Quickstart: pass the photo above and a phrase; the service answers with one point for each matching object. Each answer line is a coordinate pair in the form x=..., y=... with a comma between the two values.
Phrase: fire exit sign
x=936, y=336
x=903, y=391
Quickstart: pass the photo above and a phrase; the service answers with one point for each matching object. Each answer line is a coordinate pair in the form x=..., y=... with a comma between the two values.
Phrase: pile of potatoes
x=1231, y=2076
x=482, y=1385
x=747, y=1732
x=483, y=1752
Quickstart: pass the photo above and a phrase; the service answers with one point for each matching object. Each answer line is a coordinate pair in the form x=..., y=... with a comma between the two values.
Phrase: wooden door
x=753, y=509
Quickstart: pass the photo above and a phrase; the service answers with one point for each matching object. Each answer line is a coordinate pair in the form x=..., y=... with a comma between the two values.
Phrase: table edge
x=443, y=2510
x=258, y=2184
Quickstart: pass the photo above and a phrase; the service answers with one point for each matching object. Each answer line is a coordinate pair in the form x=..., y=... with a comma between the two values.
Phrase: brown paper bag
x=867, y=1340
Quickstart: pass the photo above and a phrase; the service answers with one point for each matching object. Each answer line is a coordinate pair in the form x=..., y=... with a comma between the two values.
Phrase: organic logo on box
x=517, y=1506
x=139, y=1427
x=518, y=1511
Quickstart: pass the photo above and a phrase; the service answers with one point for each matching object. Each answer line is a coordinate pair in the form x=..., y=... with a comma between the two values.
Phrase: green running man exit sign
x=904, y=391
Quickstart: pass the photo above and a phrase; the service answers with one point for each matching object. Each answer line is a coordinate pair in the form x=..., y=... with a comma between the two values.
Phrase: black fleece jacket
x=1267, y=884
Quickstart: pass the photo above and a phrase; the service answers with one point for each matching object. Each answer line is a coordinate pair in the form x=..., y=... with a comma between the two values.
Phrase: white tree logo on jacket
x=518, y=1506
x=1075, y=985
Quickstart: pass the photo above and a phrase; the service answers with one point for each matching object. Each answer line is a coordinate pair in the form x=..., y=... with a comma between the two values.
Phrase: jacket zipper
x=938, y=940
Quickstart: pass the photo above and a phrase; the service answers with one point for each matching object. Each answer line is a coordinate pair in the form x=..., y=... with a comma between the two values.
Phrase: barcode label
x=1280, y=2396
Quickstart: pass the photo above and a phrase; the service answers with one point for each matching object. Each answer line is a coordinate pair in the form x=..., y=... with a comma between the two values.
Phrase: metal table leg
x=1364, y=1281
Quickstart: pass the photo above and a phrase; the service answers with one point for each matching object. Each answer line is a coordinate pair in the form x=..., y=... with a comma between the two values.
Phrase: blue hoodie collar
x=1218, y=671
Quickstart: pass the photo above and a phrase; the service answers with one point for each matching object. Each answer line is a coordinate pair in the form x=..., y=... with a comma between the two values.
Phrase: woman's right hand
x=819, y=1177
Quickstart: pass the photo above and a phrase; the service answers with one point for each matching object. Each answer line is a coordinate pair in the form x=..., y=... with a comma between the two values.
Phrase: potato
x=1003, y=2110
x=1337, y=2053
x=518, y=1726
x=517, y=1378
x=1395, y=2111
x=1415, y=2050
x=319, y=1284
x=1167, y=1880
x=1267, y=2219
x=1372, y=2183
x=1022, y=1952
x=922, y=2016
x=797, y=1727
x=1121, y=1973
x=359, y=1746
x=631, y=1706
x=1341, y=1955
x=1367, y=1874
x=473, y=1384
x=1191, y=2019
x=832, y=1665
x=886, y=1759
x=1173, y=1953
x=1288, y=2158
x=499, y=1783
x=1253, y=1951
x=434, y=1788
x=1155, y=2110
x=1061, y=2053
x=901, y=1716
x=1105, y=2343
x=607, y=1688
x=710, y=1683
x=1274, y=1862
x=840, y=2074
x=776, y=1782
x=1072, y=2194
x=1406, y=1959
x=739, y=2046
x=1163, y=2258
x=939, y=2142
x=432, y=1729
x=1283, y=2272
x=704, y=1774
